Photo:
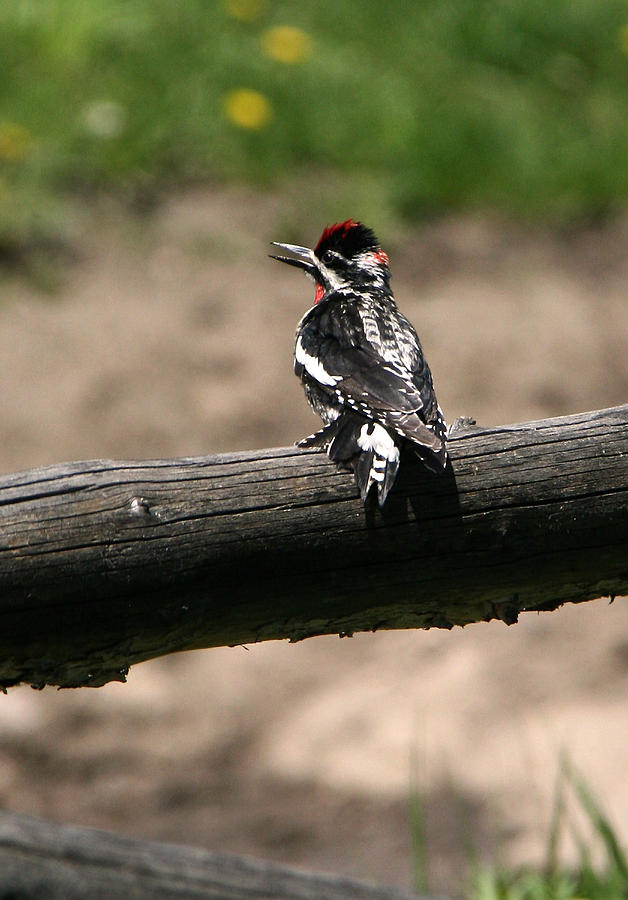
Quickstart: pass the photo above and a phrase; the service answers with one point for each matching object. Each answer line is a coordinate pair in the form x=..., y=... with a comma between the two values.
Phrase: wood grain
x=61, y=862
x=105, y=563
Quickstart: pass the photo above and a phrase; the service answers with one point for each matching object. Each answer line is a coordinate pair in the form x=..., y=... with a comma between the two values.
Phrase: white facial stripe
x=314, y=367
x=379, y=441
x=332, y=279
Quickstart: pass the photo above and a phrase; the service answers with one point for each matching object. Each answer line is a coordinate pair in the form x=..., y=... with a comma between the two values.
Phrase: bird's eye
x=328, y=257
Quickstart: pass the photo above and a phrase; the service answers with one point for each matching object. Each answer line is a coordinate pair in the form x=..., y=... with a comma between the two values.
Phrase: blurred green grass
x=513, y=105
x=601, y=872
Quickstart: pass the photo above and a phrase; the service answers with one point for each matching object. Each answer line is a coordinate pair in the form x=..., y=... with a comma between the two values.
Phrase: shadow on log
x=61, y=862
x=104, y=564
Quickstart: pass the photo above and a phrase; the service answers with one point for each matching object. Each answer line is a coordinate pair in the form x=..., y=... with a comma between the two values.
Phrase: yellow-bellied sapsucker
x=361, y=362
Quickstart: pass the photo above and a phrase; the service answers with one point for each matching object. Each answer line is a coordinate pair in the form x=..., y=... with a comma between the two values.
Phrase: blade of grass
x=416, y=816
x=600, y=823
x=556, y=822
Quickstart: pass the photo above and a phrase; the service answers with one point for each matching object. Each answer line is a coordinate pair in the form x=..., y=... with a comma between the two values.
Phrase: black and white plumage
x=361, y=362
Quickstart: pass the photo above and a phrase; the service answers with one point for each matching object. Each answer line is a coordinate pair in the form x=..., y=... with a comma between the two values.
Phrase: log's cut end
x=104, y=564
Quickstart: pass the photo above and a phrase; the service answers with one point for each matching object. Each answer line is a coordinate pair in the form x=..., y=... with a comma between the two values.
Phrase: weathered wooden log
x=104, y=564
x=61, y=862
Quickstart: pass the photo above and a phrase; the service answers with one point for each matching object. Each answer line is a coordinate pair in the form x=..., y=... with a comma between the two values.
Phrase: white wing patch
x=379, y=440
x=314, y=367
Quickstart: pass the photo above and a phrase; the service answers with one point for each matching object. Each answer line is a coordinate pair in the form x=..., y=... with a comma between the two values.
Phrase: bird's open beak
x=305, y=259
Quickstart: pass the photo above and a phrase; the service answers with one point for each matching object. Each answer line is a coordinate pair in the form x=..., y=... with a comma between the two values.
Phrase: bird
x=361, y=363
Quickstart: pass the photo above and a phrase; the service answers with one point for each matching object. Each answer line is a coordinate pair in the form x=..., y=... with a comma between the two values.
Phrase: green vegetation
x=516, y=105
x=605, y=880
x=600, y=874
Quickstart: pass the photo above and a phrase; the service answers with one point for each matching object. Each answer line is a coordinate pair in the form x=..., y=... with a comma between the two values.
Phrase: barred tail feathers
x=369, y=450
x=364, y=447
x=379, y=461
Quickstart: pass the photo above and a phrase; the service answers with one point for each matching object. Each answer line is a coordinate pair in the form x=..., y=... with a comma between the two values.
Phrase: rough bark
x=104, y=564
x=59, y=862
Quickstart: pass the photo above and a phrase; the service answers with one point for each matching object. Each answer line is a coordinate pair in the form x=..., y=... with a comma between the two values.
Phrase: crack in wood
x=272, y=544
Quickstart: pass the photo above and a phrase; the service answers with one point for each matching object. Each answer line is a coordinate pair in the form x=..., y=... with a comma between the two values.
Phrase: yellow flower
x=286, y=44
x=244, y=10
x=248, y=109
x=15, y=141
x=622, y=38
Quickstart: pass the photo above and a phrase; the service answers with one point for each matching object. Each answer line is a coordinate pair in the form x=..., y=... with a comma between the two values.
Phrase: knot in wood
x=140, y=507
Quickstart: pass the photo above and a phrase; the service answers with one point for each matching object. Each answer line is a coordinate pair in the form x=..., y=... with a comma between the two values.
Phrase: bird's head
x=347, y=255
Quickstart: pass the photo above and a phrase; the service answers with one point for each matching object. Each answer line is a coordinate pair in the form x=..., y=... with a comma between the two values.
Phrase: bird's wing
x=364, y=381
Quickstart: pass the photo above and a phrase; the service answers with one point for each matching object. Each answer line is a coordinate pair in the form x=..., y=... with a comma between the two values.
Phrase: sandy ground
x=173, y=336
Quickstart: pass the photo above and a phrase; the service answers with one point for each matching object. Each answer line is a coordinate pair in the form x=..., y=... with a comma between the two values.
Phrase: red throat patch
x=320, y=291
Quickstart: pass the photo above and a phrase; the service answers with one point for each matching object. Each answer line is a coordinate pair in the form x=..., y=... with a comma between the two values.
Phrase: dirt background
x=171, y=334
